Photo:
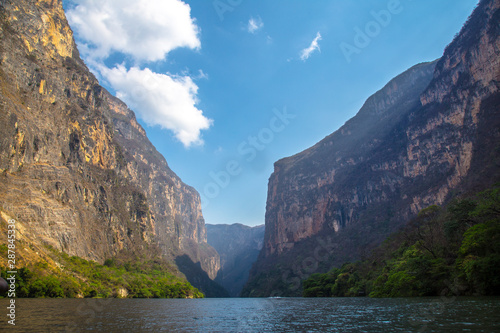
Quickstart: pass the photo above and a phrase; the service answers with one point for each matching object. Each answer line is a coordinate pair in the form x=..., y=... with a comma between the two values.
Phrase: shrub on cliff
x=455, y=250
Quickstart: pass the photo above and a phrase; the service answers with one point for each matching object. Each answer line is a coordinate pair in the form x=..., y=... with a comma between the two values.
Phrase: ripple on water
x=259, y=315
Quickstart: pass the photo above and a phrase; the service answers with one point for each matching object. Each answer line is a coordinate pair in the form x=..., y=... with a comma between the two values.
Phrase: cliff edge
x=77, y=170
x=430, y=134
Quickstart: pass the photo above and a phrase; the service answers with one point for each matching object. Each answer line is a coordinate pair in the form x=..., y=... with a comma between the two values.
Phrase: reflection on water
x=256, y=315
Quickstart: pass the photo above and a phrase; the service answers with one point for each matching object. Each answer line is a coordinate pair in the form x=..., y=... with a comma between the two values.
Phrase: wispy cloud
x=306, y=53
x=201, y=75
x=219, y=150
x=254, y=24
x=165, y=100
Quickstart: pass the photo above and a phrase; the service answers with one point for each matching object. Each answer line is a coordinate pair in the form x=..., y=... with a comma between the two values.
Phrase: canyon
x=79, y=175
x=431, y=134
x=238, y=246
x=77, y=171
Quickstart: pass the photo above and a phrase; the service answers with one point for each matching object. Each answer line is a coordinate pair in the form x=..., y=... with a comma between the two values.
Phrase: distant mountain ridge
x=428, y=135
x=238, y=246
x=78, y=172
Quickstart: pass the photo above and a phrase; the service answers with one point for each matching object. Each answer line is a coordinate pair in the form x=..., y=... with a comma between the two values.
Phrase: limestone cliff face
x=326, y=185
x=77, y=170
x=238, y=246
x=429, y=134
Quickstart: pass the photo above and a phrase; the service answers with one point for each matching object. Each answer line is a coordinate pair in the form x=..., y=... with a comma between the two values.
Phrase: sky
x=225, y=88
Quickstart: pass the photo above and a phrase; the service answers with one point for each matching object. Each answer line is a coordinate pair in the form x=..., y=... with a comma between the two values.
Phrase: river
x=256, y=315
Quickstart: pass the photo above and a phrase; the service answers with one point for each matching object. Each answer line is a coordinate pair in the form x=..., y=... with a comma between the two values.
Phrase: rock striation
x=430, y=134
x=77, y=170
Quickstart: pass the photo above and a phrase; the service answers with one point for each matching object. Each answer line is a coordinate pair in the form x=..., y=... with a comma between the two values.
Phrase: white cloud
x=145, y=29
x=254, y=25
x=201, y=75
x=159, y=99
x=306, y=53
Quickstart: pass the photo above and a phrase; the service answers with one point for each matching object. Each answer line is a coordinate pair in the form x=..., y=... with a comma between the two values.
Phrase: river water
x=255, y=315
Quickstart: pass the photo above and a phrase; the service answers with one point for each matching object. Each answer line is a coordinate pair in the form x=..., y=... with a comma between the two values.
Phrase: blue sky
x=224, y=88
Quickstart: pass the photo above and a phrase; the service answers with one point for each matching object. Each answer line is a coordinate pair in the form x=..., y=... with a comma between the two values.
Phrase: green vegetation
x=77, y=277
x=450, y=251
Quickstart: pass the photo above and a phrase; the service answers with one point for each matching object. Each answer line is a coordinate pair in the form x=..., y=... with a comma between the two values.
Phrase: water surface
x=256, y=315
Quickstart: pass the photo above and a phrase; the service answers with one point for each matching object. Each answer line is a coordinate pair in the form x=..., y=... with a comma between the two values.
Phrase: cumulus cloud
x=159, y=99
x=145, y=29
x=254, y=25
x=306, y=53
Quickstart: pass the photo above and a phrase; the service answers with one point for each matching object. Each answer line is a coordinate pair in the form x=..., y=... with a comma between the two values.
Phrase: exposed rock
x=122, y=293
x=199, y=278
x=238, y=246
x=431, y=133
x=77, y=170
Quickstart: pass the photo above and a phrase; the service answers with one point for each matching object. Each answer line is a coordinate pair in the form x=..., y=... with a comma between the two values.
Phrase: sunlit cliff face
x=79, y=173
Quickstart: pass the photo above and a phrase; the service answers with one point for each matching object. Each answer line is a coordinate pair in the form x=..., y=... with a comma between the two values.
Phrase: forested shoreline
x=451, y=250
x=62, y=276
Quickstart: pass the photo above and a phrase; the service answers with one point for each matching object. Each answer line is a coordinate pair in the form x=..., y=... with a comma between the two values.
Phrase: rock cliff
x=428, y=135
x=77, y=170
x=238, y=246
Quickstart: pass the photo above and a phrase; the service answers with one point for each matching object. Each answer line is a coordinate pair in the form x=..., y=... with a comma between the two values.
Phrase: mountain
x=428, y=135
x=238, y=246
x=78, y=172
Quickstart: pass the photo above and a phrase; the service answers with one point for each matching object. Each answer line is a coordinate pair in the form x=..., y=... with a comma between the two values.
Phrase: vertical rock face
x=429, y=134
x=77, y=170
x=238, y=246
x=326, y=185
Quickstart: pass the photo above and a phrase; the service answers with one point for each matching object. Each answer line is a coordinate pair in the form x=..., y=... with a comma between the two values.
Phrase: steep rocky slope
x=77, y=171
x=238, y=246
x=430, y=134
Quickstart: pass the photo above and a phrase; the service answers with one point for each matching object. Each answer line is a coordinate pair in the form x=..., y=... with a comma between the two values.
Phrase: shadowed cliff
x=427, y=136
x=238, y=246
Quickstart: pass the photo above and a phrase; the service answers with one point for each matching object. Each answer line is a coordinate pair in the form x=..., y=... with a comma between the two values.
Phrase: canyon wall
x=238, y=246
x=430, y=134
x=77, y=170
